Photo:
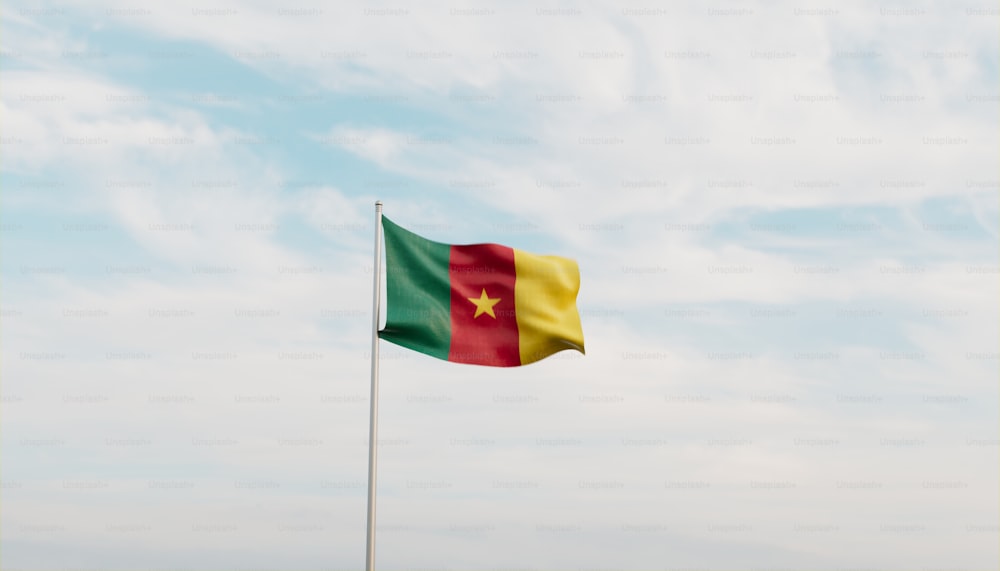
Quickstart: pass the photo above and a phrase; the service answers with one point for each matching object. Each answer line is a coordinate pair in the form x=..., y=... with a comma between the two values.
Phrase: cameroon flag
x=483, y=304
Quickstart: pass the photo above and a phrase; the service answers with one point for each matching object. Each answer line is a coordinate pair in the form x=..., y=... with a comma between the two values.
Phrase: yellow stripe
x=545, y=305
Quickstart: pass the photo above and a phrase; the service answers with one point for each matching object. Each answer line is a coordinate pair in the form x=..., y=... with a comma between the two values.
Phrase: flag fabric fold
x=482, y=304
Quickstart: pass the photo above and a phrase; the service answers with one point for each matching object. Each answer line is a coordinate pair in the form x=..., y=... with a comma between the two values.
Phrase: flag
x=483, y=304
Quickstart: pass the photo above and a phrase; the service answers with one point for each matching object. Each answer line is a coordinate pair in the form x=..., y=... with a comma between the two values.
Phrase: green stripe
x=418, y=292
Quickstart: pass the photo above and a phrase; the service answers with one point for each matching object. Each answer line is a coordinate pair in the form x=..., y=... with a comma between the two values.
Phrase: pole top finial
x=378, y=203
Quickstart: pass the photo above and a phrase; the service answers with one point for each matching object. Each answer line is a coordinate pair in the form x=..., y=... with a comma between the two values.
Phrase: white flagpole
x=373, y=414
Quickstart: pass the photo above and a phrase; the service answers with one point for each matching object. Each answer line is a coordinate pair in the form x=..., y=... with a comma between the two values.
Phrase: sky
x=785, y=217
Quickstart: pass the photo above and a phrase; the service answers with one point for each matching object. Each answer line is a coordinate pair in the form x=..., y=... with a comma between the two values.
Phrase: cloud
x=784, y=219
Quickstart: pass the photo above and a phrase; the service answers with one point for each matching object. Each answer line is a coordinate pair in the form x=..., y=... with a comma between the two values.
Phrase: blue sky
x=785, y=219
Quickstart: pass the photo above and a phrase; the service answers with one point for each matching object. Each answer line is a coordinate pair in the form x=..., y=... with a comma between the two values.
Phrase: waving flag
x=483, y=304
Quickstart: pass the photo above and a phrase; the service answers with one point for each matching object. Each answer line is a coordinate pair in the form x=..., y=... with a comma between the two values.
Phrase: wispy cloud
x=785, y=219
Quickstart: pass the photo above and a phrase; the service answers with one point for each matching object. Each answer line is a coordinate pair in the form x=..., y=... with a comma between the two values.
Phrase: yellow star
x=484, y=304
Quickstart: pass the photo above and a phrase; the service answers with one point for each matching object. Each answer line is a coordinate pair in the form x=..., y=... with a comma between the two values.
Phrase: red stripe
x=483, y=340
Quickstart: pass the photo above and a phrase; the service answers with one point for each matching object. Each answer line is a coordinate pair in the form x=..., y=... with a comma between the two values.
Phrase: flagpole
x=373, y=411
